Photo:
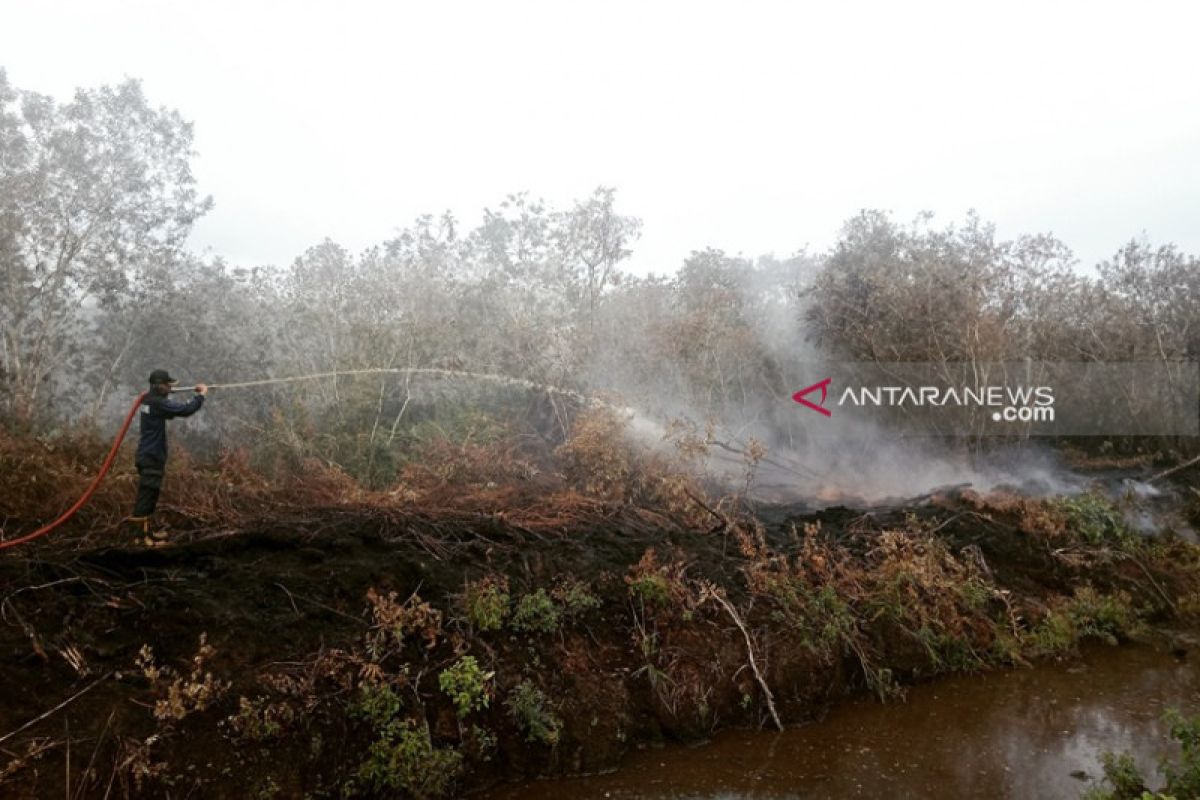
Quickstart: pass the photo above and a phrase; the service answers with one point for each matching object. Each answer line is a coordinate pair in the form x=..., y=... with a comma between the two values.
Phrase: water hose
x=445, y=373
x=91, y=489
x=116, y=445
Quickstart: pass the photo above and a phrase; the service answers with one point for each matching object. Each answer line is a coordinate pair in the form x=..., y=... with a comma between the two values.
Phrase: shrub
x=1107, y=617
x=185, y=694
x=1054, y=634
x=537, y=613
x=402, y=756
x=395, y=622
x=1095, y=519
x=529, y=709
x=651, y=589
x=574, y=596
x=259, y=720
x=467, y=685
x=487, y=603
x=1183, y=777
x=377, y=704
x=1122, y=774
x=404, y=759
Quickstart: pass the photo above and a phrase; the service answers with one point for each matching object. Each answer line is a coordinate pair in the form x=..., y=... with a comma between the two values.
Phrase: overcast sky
x=753, y=127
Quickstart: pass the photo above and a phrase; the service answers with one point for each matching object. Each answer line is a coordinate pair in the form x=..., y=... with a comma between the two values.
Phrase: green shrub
x=529, y=709
x=975, y=594
x=1122, y=774
x=651, y=588
x=405, y=760
x=402, y=756
x=537, y=613
x=1095, y=519
x=487, y=603
x=1183, y=777
x=466, y=684
x=377, y=704
x=836, y=619
x=575, y=597
x=1107, y=617
x=1088, y=614
x=948, y=652
x=1054, y=634
x=1126, y=782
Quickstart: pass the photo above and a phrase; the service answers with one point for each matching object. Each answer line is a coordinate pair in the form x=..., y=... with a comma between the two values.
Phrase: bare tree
x=91, y=192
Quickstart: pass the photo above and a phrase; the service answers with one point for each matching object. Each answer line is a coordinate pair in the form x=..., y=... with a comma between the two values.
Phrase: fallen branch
x=1167, y=472
x=725, y=523
x=293, y=597
x=57, y=708
x=1153, y=582
x=711, y=591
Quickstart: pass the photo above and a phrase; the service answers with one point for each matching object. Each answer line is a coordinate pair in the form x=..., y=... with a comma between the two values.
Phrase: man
x=151, y=459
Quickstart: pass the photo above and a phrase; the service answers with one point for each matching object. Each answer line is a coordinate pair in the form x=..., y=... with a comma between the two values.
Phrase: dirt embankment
x=357, y=648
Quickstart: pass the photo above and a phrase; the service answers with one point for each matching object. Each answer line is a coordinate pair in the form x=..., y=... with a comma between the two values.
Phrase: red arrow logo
x=820, y=407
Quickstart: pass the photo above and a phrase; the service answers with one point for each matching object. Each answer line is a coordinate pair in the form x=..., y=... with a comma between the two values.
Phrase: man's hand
x=201, y=388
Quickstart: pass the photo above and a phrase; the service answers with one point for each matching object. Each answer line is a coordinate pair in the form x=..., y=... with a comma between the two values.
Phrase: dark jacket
x=156, y=410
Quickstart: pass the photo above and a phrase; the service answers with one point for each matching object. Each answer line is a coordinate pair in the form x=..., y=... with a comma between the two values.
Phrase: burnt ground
x=835, y=602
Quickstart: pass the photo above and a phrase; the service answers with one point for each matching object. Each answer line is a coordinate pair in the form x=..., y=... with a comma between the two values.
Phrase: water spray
x=439, y=372
x=505, y=380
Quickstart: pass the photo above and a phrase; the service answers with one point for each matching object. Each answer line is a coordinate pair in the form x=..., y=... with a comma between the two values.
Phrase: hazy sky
x=753, y=127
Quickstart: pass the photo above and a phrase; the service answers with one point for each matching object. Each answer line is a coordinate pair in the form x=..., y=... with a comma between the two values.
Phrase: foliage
x=1109, y=617
x=531, y=711
x=1183, y=775
x=1052, y=635
x=1096, y=519
x=659, y=585
x=378, y=704
x=1126, y=782
x=1088, y=614
x=486, y=602
x=575, y=597
x=93, y=193
x=259, y=720
x=402, y=756
x=537, y=613
x=1122, y=775
x=603, y=458
x=651, y=589
x=393, y=622
x=404, y=759
x=467, y=685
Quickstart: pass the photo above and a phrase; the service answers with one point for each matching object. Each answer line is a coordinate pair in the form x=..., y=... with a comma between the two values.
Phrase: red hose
x=87, y=495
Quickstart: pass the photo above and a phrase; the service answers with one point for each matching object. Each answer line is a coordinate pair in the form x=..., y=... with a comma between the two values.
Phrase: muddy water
x=1026, y=733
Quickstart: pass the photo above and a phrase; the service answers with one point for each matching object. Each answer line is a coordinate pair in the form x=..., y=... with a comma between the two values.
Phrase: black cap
x=161, y=376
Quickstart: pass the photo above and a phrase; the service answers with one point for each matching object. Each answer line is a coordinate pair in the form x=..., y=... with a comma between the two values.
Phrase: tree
x=594, y=240
x=956, y=295
x=91, y=193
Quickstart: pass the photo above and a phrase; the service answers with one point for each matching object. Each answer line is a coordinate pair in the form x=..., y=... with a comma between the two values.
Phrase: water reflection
x=1014, y=734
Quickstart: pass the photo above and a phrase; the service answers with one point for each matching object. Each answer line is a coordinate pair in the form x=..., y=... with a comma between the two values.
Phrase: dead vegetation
x=508, y=611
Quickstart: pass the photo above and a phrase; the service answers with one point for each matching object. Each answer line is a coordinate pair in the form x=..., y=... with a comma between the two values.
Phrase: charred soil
x=331, y=643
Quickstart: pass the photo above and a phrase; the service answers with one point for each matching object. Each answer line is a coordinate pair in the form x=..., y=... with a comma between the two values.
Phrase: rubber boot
x=144, y=527
x=155, y=536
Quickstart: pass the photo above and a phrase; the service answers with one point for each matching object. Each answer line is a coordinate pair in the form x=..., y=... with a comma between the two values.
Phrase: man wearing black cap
x=151, y=459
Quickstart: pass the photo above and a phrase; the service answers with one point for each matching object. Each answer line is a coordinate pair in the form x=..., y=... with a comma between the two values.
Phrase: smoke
x=744, y=395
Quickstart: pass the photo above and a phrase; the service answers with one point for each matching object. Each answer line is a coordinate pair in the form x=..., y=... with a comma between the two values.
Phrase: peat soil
x=299, y=626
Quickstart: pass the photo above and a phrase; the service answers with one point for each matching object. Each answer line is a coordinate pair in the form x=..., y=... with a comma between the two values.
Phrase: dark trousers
x=150, y=481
